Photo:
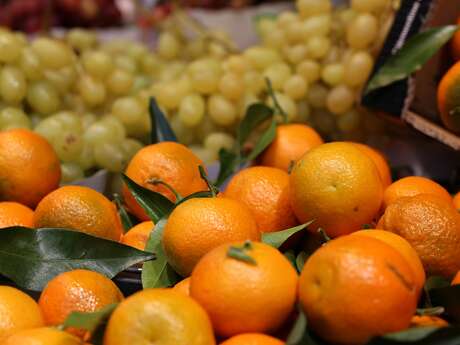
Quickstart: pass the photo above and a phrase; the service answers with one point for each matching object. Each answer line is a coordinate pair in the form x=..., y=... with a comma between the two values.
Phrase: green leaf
x=89, y=321
x=421, y=336
x=300, y=334
x=155, y=204
x=240, y=253
x=430, y=311
x=277, y=238
x=229, y=161
x=300, y=260
x=256, y=114
x=449, y=298
x=411, y=57
x=211, y=187
x=290, y=255
x=124, y=216
x=161, y=130
x=278, y=107
x=158, y=273
x=203, y=194
x=31, y=258
x=263, y=142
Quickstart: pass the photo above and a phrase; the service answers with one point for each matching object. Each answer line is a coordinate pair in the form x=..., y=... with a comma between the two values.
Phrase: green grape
x=137, y=50
x=50, y=128
x=231, y=86
x=362, y=31
x=81, y=39
x=184, y=134
x=98, y=64
x=115, y=126
x=10, y=47
x=287, y=104
x=30, y=64
x=69, y=121
x=332, y=74
x=318, y=25
x=237, y=64
x=52, y=53
x=191, y=110
x=295, y=87
x=109, y=155
x=274, y=39
x=171, y=71
x=261, y=58
x=340, y=99
x=217, y=141
x=120, y=82
x=318, y=47
x=126, y=63
x=222, y=111
x=73, y=101
x=168, y=46
x=62, y=79
x=205, y=75
x=141, y=82
x=43, y=97
x=375, y=6
x=349, y=121
x=265, y=26
x=13, y=85
x=310, y=70
x=317, y=95
x=217, y=50
x=254, y=82
x=71, y=172
x=308, y=8
x=86, y=159
x=68, y=145
x=102, y=132
x=87, y=120
x=286, y=17
x=304, y=111
x=206, y=155
x=277, y=74
x=295, y=53
x=130, y=112
x=150, y=64
x=195, y=48
x=13, y=118
x=91, y=90
x=130, y=147
x=358, y=68
x=293, y=32
x=324, y=121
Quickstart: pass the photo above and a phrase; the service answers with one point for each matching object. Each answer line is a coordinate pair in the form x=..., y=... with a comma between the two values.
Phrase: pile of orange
x=357, y=283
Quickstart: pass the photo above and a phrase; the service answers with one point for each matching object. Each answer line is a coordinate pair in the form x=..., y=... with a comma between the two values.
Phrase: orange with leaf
x=15, y=214
x=449, y=97
x=138, y=235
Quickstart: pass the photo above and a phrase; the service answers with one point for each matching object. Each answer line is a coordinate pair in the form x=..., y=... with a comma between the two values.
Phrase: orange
x=81, y=209
x=338, y=186
x=18, y=311
x=170, y=162
x=455, y=44
x=29, y=167
x=404, y=248
x=198, y=225
x=42, y=336
x=160, y=317
x=77, y=290
x=241, y=297
x=138, y=235
x=15, y=214
x=290, y=144
x=357, y=287
x=456, y=280
x=431, y=225
x=265, y=191
x=379, y=161
x=183, y=286
x=413, y=185
x=428, y=321
x=252, y=339
x=457, y=201
x=449, y=98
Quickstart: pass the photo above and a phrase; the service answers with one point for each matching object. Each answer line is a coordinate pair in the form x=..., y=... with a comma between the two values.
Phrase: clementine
x=379, y=161
x=252, y=339
x=448, y=98
x=15, y=214
x=42, y=336
x=457, y=201
x=138, y=235
x=183, y=286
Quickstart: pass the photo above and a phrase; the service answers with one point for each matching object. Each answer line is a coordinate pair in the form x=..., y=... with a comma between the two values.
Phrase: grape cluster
x=89, y=99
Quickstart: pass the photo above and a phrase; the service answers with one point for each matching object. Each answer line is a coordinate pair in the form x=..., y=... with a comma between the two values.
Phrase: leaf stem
x=127, y=224
x=272, y=95
x=157, y=181
x=324, y=237
x=240, y=253
x=213, y=189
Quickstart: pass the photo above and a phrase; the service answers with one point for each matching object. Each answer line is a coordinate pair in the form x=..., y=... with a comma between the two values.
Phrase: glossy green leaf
x=158, y=273
x=124, y=216
x=420, y=336
x=277, y=238
x=290, y=255
x=31, y=258
x=161, y=130
x=300, y=260
x=203, y=194
x=430, y=311
x=242, y=253
x=229, y=162
x=89, y=321
x=256, y=114
x=411, y=57
x=155, y=204
x=300, y=334
x=265, y=139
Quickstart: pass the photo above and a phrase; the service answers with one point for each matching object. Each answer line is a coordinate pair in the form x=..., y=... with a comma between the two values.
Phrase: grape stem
x=213, y=189
x=272, y=95
x=157, y=181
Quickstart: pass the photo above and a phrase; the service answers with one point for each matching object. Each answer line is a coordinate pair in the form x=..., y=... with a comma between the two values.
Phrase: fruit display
x=89, y=99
